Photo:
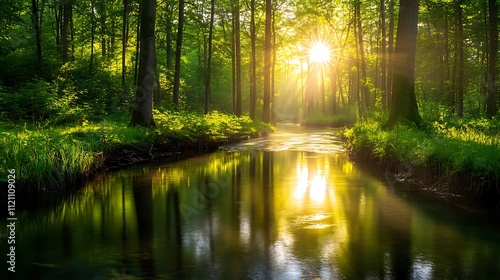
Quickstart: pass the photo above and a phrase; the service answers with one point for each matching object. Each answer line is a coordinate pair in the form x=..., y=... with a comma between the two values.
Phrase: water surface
x=288, y=206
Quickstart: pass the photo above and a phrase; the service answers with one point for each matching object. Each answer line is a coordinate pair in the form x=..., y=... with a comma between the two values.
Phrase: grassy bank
x=50, y=157
x=463, y=156
x=345, y=117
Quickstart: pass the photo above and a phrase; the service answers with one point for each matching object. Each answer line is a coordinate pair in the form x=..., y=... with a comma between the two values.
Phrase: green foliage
x=345, y=117
x=34, y=101
x=55, y=154
x=214, y=126
x=470, y=146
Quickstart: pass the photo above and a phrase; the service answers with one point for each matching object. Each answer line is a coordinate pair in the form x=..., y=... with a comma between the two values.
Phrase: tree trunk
x=124, y=39
x=253, y=63
x=333, y=82
x=266, y=116
x=237, y=49
x=273, y=69
x=57, y=6
x=491, y=107
x=178, y=53
x=169, y=51
x=461, y=74
x=390, y=53
x=137, y=45
x=208, y=70
x=383, y=59
x=143, y=111
x=64, y=33
x=92, y=37
x=404, y=102
x=103, y=27
x=364, y=88
x=36, y=27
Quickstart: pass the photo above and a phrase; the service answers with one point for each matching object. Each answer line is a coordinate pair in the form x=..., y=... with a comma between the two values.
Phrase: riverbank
x=457, y=158
x=54, y=159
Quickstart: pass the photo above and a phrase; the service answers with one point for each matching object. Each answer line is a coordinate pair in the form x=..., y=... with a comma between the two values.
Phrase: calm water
x=290, y=206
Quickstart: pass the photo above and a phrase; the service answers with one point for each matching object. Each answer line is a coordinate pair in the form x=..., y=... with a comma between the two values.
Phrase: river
x=287, y=206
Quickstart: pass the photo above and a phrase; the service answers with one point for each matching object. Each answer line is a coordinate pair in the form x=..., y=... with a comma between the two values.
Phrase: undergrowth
x=45, y=155
x=461, y=146
x=345, y=117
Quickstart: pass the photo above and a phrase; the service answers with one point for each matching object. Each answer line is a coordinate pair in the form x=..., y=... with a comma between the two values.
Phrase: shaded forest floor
x=51, y=159
x=449, y=155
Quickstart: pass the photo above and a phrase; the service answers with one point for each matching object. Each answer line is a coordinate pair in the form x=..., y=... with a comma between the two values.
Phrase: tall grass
x=52, y=156
x=471, y=147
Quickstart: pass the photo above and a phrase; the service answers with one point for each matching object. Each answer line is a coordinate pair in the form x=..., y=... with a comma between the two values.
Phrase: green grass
x=346, y=117
x=464, y=146
x=52, y=156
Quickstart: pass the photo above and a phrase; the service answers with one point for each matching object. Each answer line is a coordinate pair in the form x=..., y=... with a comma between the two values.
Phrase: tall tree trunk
x=169, y=51
x=491, y=107
x=390, y=53
x=450, y=99
x=461, y=73
x=364, y=87
x=273, y=69
x=137, y=45
x=233, y=66
x=72, y=34
x=383, y=59
x=208, y=89
x=36, y=28
x=92, y=37
x=253, y=62
x=124, y=39
x=237, y=49
x=143, y=111
x=404, y=102
x=333, y=83
x=178, y=53
x=57, y=6
x=266, y=116
x=102, y=14
x=65, y=27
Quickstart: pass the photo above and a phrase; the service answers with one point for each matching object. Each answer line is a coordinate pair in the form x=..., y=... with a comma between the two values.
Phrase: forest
x=415, y=81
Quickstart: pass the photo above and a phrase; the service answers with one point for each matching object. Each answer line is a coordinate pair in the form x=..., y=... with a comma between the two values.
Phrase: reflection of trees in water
x=142, y=188
x=257, y=225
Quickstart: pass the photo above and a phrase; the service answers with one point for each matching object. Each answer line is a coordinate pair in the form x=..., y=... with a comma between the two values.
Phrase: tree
x=253, y=62
x=383, y=59
x=124, y=38
x=361, y=49
x=208, y=69
x=404, y=102
x=237, y=50
x=266, y=117
x=390, y=52
x=460, y=57
x=178, y=53
x=491, y=107
x=65, y=26
x=36, y=26
x=143, y=111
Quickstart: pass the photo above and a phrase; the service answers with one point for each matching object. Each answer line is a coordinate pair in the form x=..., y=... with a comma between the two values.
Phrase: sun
x=319, y=53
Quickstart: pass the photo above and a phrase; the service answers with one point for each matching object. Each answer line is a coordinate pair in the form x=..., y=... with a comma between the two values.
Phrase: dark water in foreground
x=290, y=206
